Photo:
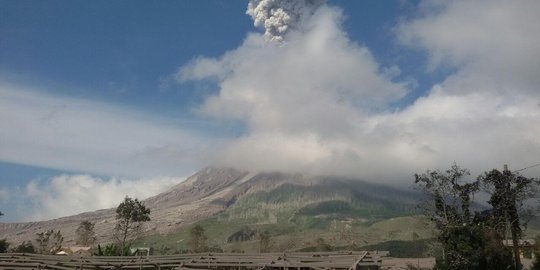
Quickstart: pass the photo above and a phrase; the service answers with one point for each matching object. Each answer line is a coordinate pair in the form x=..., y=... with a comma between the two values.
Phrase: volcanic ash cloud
x=277, y=17
x=313, y=100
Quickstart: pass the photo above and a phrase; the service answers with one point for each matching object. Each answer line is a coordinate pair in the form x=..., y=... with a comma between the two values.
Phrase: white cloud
x=77, y=135
x=65, y=195
x=320, y=103
x=492, y=43
x=305, y=101
x=489, y=108
x=316, y=77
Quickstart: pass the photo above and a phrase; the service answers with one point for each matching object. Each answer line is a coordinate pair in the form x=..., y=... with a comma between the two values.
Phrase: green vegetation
x=336, y=208
x=344, y=215
x=4, y=245
x=536, y=264
x=130, y=215
x=474, y=241
x=85, y=235
x=288, y=237
x=244, y=234
x=265, y=242
x=508, y=192
x=340, y=212
x=112, y=250
x=25, y=247
x=197, y=240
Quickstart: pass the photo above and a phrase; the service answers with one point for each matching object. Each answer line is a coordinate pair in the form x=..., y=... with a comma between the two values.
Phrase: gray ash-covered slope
x=238, y=195
x=186, y=202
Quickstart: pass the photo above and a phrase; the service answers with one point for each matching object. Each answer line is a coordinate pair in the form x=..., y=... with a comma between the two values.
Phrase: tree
x=25, y=247
x=468, y=241
x=130, y=217
x=4, y=244
x=197, y=241
x=509, y=192
x=49, y=242
x=448, y=199
x=536, y=263
x=265, y=242
x=112, y=250
x=85, y=235
x=321, y=245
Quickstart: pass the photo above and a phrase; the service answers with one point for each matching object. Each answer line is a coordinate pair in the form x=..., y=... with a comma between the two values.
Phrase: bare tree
x=49, y=242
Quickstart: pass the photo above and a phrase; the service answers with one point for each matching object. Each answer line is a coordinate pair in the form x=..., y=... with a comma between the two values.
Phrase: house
x=526, y=247
x=78, y=250
x=140, y=251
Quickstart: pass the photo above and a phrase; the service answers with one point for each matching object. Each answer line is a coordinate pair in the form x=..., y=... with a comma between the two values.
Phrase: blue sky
x=118, y=52
x=133, y=96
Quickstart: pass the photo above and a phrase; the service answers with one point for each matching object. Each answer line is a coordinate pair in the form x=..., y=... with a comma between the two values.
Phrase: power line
x=532, y=166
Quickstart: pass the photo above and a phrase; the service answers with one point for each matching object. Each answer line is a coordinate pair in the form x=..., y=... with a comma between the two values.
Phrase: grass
x=342, y=214
x=291, y=236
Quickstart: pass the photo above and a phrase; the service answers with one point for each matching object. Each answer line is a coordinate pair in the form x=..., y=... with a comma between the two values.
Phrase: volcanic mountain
x=238, y=199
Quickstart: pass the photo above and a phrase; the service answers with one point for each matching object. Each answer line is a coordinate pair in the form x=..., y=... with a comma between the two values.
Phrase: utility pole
x=515, y=237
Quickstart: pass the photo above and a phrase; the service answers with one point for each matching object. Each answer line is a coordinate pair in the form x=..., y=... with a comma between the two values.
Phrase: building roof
x=343, y=260
x=76, y=249
x=522, y=242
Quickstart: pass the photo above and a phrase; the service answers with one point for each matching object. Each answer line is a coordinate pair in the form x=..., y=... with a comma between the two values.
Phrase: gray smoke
x=279, y=16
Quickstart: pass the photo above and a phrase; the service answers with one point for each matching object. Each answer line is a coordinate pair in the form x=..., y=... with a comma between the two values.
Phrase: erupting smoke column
x=279, y=16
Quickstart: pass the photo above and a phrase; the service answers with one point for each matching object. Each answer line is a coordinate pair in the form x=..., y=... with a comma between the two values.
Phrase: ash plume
x=324, y=105
x=279, y=16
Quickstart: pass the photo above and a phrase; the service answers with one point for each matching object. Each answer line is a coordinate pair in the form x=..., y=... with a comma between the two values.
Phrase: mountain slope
x=296, y=210
x=229, y=196
x=184, y=203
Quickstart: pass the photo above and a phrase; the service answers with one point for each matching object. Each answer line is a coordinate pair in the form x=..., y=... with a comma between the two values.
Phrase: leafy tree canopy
x=509, y=193
x=85, y=234
x=4, y=245
x=112, y=250
x=197, y=241
x=25, y=247
x=265, y=242
x=130, y=216
x=469, y=241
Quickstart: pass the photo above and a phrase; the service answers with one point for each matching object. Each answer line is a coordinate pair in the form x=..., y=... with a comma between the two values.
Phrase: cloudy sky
x=103, y=99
